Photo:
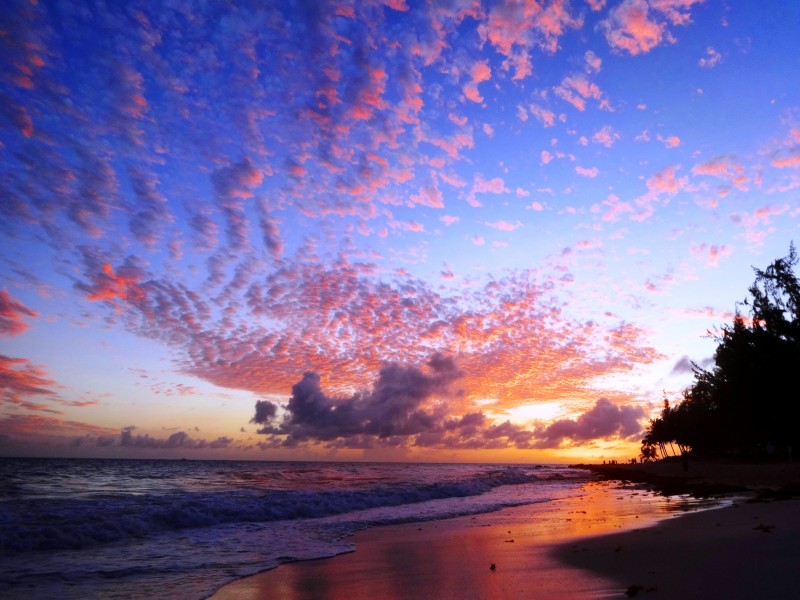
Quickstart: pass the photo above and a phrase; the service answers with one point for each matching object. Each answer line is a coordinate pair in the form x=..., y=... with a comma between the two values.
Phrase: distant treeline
x=748, y=404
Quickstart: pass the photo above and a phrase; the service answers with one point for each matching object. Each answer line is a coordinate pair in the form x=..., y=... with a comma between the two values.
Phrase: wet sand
x=608, y=543
x=748, y=550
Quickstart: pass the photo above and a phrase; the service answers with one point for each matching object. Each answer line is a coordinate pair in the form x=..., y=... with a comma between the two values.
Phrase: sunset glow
x=390, y=230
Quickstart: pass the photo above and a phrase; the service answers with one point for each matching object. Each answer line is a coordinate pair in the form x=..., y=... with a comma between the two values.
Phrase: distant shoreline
x=707, y=477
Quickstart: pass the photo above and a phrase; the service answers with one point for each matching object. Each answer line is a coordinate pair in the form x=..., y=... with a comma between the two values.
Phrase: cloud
x=723, y=167
x=666, y=181
x=592, y=172
x=449, y=220
x=593, y=62
x=711, y=254
x=544, y=116
x=638, y=26
x=394, y=407
x=515, y=29
x=480, y=72
x=20, y=380
x=576, y=89
x=430, y=195
x=151, y=214
x=630, y=28
x=683, y=366
x=606, y=136
x=179, y=439
x=400, y=411
x=12, y=315
x=604, y=420
x=614, y=208
x=672, y=141
x=108, y=285
x=711, y=59
x=25, y=431
x=483, y=186
x=233, y=184
x=504, y=225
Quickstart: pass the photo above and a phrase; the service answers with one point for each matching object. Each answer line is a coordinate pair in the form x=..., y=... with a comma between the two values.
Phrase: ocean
x=93, y=528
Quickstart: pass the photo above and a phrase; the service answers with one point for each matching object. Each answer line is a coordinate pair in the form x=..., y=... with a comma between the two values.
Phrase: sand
x=609, y=543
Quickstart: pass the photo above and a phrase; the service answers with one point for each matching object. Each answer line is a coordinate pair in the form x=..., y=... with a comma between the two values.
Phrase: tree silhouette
x=748, y=401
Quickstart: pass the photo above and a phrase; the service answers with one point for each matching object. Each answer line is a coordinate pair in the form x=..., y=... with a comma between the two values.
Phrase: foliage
x=746, y=404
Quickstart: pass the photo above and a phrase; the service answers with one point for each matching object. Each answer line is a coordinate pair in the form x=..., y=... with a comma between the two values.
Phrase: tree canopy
x=747, y=404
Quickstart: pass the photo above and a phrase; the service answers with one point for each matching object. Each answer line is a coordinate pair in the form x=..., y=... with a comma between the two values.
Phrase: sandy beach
x=611, y=542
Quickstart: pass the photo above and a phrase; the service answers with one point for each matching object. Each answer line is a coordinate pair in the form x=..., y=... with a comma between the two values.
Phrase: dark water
x=72, y=528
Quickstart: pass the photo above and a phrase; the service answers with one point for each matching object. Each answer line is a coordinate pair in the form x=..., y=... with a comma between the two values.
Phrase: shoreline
x=619, y=539
x=707, y=478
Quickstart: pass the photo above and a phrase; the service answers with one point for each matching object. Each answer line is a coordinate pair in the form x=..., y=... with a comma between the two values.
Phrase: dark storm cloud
x=605, y=419
x=394, y=407
x=408, y=406
x=179, y=439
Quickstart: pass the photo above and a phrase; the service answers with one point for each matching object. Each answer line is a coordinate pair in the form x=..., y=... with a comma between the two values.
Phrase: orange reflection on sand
x=450, y=560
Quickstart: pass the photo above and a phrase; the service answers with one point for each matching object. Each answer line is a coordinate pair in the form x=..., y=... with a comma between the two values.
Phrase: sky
x=380, y=230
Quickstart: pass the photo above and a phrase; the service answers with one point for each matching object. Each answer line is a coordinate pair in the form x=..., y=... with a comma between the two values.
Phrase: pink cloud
x=544, y=116
x=398, y=5
x=629, y=27
x=670, y=142
x=760, y=217
x=676, y=11
x=483, y=186
x=665, y=182
x=504, y=225
x=593, y=172
x=515, y=29
x=454, y=144
x=480, y=72
x=20, y=380
x=478, y=240
x=614, y=208
x=109, y=286
x=710, y=254
x=429, y=195
x=723, y=168
x=449, y=220
x=451, y=179
x=593, y=62
x=407, y=226
x=576, y=89
x=792, y=162
x=606, y=136
x=12, y=315
x=27, y=429
x=711, y=59
x=19, y=116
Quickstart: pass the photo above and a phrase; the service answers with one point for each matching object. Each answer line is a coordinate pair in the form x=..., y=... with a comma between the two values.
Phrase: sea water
x=84, y=528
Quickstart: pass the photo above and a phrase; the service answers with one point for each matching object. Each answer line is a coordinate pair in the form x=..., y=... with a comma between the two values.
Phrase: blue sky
x=405, y=230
